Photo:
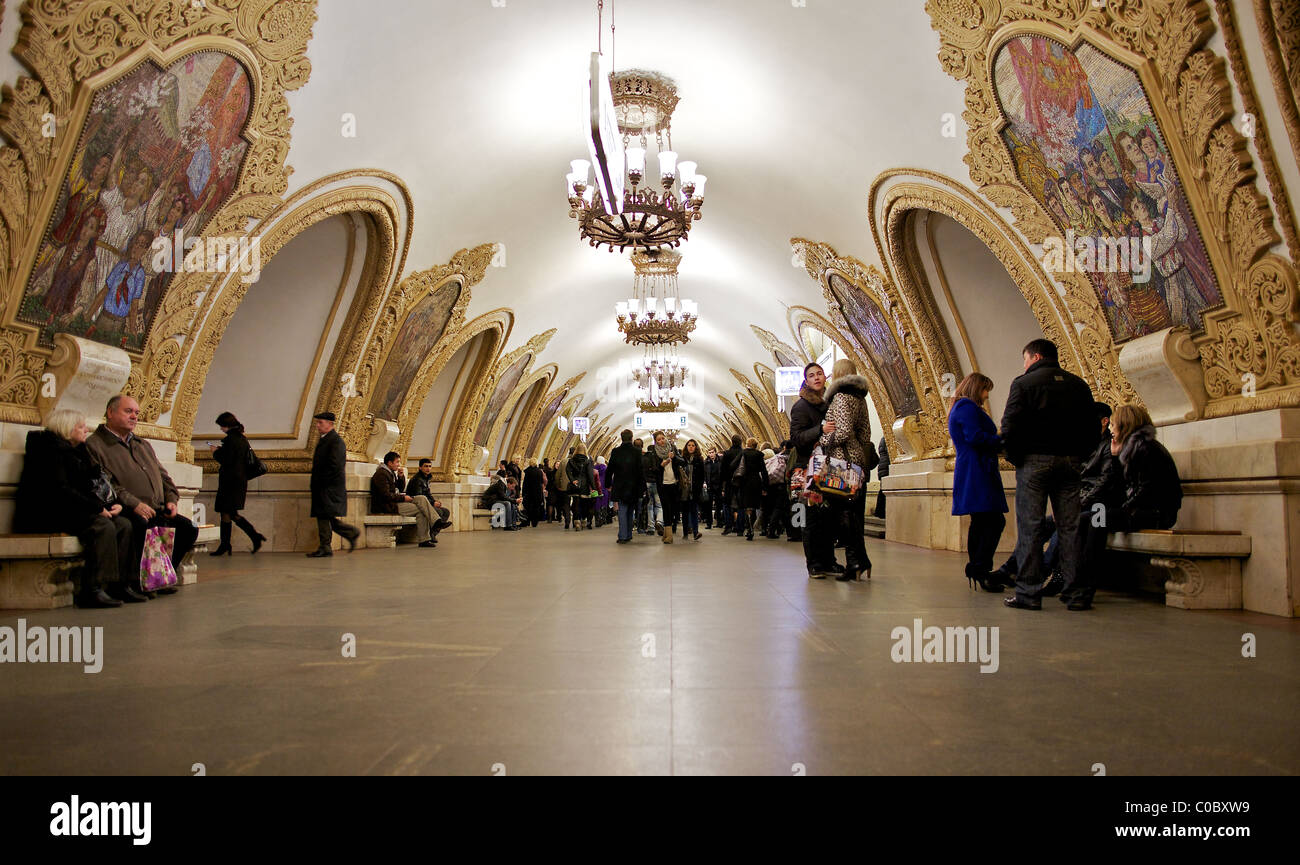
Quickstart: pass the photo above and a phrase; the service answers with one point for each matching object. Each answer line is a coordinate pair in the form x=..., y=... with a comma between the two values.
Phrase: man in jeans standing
x=1048, y=428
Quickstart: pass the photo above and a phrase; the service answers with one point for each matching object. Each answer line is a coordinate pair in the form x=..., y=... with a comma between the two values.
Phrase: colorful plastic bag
x=156, y=569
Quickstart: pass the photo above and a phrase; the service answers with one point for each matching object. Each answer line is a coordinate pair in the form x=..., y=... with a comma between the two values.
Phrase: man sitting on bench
x=388, y=496
x=419, y=486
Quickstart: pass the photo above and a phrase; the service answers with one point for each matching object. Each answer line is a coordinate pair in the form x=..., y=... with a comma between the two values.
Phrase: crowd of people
x=1101, y=471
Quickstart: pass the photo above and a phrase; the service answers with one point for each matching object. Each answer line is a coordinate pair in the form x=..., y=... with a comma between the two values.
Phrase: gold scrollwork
x=1165, y=43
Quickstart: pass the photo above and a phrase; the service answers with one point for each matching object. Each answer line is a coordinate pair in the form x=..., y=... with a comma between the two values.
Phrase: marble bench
x=482, y=520
x=1203, y=568
x=382, y=530
x=36, y=570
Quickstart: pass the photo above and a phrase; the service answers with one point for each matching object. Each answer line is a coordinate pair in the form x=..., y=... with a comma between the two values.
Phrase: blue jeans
x=626, y=519
x=654, y=509
x=1042, y=478
x=690, y=518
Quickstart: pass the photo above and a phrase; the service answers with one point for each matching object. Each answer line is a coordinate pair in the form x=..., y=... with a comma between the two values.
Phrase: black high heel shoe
x=258, y=540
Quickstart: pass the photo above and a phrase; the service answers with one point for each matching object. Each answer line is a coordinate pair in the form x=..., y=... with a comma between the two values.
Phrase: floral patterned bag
x=156, y=569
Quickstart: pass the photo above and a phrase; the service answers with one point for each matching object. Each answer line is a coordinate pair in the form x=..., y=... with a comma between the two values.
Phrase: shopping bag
x=156, y=569
x=838, y=479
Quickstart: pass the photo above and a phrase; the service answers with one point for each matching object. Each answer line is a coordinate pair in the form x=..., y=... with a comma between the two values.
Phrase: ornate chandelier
x=645, y=218
x=661, y=376
x=655, y=314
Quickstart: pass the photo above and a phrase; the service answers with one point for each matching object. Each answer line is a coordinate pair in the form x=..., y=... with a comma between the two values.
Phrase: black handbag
x=255, y=468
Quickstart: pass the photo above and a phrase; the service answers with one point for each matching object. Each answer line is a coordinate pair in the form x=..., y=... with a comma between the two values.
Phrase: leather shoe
x=1052, y=587
x=428, y=544
x=1079, y=606
x=99, y=598
x=320, y=554
x=1017, y=603
x=352, y=542
x=128, y=595
x=167, y=590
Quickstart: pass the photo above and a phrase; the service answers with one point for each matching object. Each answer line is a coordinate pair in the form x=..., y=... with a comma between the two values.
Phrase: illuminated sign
x=645, y=421
x=563, y=423
x=788, y=380
x=581, y=426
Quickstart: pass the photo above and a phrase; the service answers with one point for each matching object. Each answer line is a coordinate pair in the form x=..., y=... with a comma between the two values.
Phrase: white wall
x=997, y=316
x=266, y=355
x=435, y=405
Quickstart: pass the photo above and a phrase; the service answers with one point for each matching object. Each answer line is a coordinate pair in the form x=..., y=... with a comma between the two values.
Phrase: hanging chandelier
x=616, y=210
x=661, y=377
x=656, y=314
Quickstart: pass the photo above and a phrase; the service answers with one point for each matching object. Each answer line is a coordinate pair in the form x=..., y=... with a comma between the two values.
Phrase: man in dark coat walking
x=329, y=488
x=730, y=459
x=1048, y=429
x=625, y=480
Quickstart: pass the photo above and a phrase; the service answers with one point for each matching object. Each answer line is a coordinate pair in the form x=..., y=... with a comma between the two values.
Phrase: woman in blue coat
x=977, y=483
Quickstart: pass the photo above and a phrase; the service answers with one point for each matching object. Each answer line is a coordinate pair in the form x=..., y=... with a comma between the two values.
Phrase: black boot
x=253, y=535
x=225, y=549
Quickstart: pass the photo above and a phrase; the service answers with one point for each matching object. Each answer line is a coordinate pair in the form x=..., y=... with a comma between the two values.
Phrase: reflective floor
x=553, y=652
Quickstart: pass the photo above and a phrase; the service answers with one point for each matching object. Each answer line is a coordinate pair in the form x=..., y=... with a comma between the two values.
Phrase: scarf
x=663, y=453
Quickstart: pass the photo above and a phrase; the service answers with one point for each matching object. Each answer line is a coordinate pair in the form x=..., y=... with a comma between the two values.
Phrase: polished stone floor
x=546, y=652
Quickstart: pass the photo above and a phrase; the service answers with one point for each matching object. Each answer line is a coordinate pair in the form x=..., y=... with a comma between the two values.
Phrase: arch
x=535, y=425
x=521, y=402
x=383, y=214
x=495, y=327
x=1072, y=319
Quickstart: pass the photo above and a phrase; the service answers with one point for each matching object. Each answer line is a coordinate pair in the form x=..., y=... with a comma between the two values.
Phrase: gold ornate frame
x=73, y=50
x=1254, y=333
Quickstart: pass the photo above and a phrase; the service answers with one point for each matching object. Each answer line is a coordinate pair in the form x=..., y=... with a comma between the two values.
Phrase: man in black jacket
x=419, y=486
x=726, y=468
x=807, y=424
x=329, y=488
x=625, y=480
x=654, y=509
x=1048, y=428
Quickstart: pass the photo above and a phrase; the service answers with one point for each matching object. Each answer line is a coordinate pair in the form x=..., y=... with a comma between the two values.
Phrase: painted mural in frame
x=159, y=153
x=420, y=333
x=1088, y=147
x=508, y=382
x=875, y=337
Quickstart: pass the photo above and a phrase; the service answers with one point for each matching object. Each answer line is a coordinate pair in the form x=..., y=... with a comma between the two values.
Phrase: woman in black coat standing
x=63, y=490
x=534, y=495
x=692, y=489
x=232, y=483
x=752, y=486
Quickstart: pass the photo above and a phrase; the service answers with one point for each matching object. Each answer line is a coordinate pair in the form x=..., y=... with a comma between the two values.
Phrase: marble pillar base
x=918, y=507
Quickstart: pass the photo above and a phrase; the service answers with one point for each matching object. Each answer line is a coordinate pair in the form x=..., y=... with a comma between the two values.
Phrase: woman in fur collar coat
x=850, y=440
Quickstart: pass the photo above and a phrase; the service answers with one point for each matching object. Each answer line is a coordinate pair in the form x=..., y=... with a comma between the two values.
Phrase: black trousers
x=327, y=526
x=982, y=541
x=670, y=498
x=186, y=535
x=852, y=521
x=107, y=545
x=819, y=537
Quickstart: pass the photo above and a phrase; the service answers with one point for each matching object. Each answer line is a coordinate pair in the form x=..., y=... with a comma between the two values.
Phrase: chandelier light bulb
x=686, y=173
x=700, y=180
x=636, y=162
x=580, y=168
x=667, y=164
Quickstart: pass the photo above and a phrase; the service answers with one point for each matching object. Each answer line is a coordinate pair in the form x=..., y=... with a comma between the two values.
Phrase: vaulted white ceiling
x=790, y=110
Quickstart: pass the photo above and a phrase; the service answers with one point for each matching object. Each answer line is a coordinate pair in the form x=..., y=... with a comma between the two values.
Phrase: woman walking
x=850, y=440
x=977, y=482
x=668, y=470
x=750, y=489
x=232, y=483
x=582, y=480
x=691, y=487
x=62, y=489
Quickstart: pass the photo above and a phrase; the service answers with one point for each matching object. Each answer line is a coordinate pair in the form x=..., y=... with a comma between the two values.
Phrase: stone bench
x=1203, y=568
x=36, y=570
x=382, y=529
